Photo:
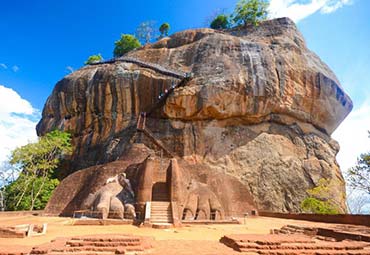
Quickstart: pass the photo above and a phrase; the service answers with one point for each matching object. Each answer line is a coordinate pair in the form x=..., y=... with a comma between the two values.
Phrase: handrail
x=157, y=67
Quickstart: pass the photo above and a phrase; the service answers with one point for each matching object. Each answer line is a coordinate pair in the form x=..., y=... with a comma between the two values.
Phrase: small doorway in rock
x=160, y=192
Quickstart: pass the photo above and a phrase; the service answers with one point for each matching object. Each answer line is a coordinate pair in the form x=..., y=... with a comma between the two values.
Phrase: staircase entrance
x=160, y=192
x=161, y=212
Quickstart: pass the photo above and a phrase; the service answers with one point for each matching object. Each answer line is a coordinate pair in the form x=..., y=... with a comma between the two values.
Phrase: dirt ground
x=194, y=239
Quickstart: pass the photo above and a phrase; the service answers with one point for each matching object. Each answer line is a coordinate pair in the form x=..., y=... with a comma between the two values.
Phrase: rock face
x=260, y=108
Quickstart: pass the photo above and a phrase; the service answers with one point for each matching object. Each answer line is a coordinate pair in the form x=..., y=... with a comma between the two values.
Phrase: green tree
x=125, y=44
x=250, y=12
x=358, y=176
x=37, y=162
x=221, y=22
x=164, y=30
x=146, y=31
x=93, y=59
x=320, y=199
x=314, y=205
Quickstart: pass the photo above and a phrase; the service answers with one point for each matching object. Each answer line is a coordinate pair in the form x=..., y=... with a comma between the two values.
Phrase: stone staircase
x=161, y=212
x=141, y=127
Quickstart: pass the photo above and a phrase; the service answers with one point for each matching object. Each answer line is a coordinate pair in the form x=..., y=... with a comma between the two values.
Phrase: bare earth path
x=195, y=239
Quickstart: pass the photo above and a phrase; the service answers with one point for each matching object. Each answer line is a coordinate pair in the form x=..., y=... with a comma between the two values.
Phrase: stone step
x=161, y=207
x=101, y=244
x=85, y=248
x=110, y=239
x=326, y=246
x=161, y=218
x=161, y=213
x=82, y=253
x=154, y=203
x=160, y=221
x=305, y=252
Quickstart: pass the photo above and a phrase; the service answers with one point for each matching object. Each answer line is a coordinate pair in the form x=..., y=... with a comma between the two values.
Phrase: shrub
x=125, y=44
x=220, y=22
x=320, y=198
x=93, y=59
x=164, y=29
x=313, y=205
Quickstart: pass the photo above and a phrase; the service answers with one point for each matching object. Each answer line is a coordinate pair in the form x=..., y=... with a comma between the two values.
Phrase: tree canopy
x=250, y=12
x=320, y=199
x=146, y=32
x=220, y=22
x=164, y=29
x=125, y=44
x=37, y=162
x=358, y=176
x=94, y=59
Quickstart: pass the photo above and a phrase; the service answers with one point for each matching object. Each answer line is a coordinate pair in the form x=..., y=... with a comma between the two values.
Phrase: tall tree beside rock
x=358, y=176
x=125, y=44
x=250, y=12
x=37, y=162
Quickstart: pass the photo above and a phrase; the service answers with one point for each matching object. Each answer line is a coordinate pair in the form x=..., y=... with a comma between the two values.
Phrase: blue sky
x=41, y=40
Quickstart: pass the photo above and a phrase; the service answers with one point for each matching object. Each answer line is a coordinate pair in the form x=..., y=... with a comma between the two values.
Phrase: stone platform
x=292, y=245
x=98, y=244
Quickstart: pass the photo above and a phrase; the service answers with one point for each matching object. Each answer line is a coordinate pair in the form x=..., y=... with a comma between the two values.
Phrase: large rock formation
x=259, y=109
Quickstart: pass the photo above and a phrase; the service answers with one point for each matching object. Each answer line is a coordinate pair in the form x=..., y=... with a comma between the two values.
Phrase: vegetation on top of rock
x=146, y=31
x=220, y=22
x=359, y=176
x=125, y=44
x=164, y=30
x=94, y=59
x=320, y=199
x=37, y=162
x=250, y=12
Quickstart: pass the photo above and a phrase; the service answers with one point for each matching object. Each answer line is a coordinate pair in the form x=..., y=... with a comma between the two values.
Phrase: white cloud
x=17, y=121
x=15, y=68
x=352, y=136
x=3, y=66
x=298, y=9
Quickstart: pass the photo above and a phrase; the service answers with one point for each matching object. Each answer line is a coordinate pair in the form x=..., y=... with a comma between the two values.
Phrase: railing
x=156, y=67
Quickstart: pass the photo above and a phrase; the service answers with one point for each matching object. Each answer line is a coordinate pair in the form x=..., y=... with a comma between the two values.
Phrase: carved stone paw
x=201, y=203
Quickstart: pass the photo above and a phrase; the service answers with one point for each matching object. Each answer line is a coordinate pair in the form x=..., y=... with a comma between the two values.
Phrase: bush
x=125, y=44
x=93, y=59
x=220, y=22
x=250, y=12
x=164, y=29
x=320, y=198
x=14, y=190
x=313, y=205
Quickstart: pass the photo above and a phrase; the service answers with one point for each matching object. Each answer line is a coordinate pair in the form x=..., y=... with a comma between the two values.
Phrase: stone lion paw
x=201, y=203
